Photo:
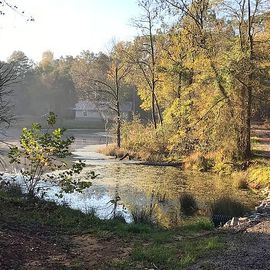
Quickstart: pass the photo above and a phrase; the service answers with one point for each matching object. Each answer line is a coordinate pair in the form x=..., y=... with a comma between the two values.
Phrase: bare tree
x=8, y=77
x=144, y=55
x=6, y=5
x=101, y=79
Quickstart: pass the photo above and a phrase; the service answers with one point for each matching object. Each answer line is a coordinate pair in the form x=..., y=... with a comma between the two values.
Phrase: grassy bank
x=148, y=246
x=257, y=175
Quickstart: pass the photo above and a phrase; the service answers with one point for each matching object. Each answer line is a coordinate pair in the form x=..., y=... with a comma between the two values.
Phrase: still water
x=125, y=186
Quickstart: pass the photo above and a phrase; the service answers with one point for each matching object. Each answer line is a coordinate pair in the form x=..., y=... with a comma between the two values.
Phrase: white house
x=99, y=111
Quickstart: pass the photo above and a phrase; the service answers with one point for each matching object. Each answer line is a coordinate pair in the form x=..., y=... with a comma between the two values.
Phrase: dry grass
x=242, y=183
x=112, y=150
x=199, y=162
x=145, y=142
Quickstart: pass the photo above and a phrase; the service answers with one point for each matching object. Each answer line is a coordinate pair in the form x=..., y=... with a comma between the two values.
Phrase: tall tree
x=8, y=77
x=144, y=55
x=101, y=79
x=227, y=49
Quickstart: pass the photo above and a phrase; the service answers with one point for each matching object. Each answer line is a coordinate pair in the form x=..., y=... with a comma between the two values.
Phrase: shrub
x=227, y=206
x=199, y=162
x=242, y=183
x=112, y=150
x=42, y=152
x=259, y=175
x=11, y=187
x=188, y=204
x=142, y=216
x=145, y=142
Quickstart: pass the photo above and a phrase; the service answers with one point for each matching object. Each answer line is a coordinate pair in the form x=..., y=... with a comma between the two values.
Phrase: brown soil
x=38, y=249
x=97, y=252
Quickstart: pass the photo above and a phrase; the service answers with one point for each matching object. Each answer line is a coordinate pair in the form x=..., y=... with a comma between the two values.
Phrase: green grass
x=196, y=225
x=151, y=245
x=177, y=255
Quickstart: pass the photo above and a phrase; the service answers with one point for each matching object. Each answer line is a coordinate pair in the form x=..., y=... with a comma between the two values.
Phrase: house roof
x=86, y=105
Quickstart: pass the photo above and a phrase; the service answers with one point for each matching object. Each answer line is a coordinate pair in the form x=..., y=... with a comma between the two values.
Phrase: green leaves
x=51, y=119
x=40, y=153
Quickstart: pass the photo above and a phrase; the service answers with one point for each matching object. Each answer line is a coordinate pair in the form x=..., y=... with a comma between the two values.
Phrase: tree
x=54, y=76
x=102, y=79
x=144, y=55
x=21, y=62
x=8, y=77
x=225, y=48
x=249, y=17
x=42, y=152
x=7, y=5
x=8, y=72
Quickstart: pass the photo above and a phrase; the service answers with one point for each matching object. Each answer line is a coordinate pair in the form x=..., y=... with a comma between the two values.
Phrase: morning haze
x=134, y=134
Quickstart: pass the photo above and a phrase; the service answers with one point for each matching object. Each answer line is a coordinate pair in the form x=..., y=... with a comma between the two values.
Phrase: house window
x=85, y=113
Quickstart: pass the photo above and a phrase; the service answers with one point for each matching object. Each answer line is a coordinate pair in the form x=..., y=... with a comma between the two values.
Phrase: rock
x=260, y=207
x=243, y=219
x=261, y=212
x=234, y=221
x=227, y=224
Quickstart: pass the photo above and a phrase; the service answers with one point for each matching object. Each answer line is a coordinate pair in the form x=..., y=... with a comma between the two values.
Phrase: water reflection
x=123, y=187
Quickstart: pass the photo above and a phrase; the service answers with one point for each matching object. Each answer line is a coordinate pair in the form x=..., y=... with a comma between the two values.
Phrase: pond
x=123, y=187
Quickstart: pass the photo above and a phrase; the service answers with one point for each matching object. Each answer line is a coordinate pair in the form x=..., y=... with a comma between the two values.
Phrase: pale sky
x=66, y=27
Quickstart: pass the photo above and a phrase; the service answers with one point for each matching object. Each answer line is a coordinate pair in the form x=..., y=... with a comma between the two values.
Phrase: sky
x=65, y=27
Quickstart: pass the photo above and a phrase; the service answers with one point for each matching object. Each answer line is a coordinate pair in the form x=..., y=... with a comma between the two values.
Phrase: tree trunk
x=249, y=88
x=153, y=109
x=118, y=131
x=247, y=150
x=159, y=111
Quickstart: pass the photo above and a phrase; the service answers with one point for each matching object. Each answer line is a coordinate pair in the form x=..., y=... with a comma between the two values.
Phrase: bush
x=112, y=150
x=42, y=152
x=188, y=204
x=142, y=216
x=241, y=183
x=227, y=206
x=199, y=162
x=259, y=175
x=11, y=188
x=145, y=142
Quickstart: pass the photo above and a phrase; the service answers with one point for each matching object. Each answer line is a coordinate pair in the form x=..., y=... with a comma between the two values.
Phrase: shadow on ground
x=243, y=251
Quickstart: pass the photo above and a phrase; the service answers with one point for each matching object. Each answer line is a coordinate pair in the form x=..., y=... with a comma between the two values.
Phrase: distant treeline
x=200, y=68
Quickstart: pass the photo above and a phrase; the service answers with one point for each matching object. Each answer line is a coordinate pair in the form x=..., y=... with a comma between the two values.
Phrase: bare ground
x=247, y=250
x=38, y=249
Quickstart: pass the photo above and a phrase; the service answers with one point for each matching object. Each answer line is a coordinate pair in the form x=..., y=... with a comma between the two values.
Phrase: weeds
x=188, y=204
x=142, y=216
x=227, y=206
x=112, y=150
x=242, y=183
x=11, y=188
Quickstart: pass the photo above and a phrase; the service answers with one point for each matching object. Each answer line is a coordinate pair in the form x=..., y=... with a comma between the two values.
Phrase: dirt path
x=37, y=248
x=244, y=251
x=261, y=146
